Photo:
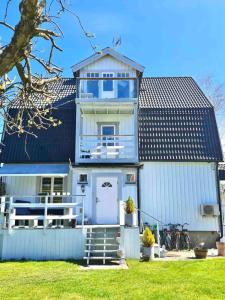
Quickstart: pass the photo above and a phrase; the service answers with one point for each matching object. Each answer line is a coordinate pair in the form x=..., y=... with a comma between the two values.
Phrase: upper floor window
x=92, y=85
x=123, y=86
x=123, y=75
x=92, y=75
x=107, y=84
x=108, y=132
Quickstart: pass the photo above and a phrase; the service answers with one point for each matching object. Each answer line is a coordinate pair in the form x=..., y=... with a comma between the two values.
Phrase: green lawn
x=192, y=279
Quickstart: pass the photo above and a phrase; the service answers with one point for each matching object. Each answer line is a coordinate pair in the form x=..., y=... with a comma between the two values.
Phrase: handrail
x=149, y=215
x=157, y=224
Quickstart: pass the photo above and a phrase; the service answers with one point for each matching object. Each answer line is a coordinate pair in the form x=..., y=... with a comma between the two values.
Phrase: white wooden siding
x=127, y=189
x=36, y=244
x=90, y=123
x=172, y=192
x=107, y=64
x=30, y=186
x=130, y=242
x=22, y=186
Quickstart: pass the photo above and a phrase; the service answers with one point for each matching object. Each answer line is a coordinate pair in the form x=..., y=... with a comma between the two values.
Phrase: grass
x=194, y=279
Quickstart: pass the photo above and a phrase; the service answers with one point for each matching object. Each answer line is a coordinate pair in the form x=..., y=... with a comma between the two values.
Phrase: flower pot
x=129, y=220
x=148, y=253
x=200, y=253
x=221, y=248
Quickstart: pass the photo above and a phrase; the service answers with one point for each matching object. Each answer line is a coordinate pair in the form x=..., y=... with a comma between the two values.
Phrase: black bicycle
x=185, y=242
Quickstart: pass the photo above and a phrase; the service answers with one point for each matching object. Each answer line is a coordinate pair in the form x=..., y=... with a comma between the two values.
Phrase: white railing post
x=82, y=212
x=2, y=205
x=45, y=211
x=12, y=213
x=158, y=236
x=2, y=217
x=122, y=213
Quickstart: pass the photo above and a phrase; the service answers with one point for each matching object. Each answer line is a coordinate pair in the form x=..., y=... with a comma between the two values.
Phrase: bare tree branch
x=31, y=98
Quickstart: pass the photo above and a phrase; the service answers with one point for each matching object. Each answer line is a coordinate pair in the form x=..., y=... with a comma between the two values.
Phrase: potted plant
x=129, y=212
x=148, y=241
x=201, y=251
x=220, y=245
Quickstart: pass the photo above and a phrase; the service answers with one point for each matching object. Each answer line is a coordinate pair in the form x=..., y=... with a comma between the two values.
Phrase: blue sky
x=168, y=37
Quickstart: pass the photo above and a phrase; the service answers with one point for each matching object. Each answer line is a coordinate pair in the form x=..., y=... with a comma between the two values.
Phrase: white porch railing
x=70, y=208
x=100, y=147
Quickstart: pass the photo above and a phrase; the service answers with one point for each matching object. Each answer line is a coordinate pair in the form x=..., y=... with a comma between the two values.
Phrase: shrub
x=130, y=207
x=148, y=238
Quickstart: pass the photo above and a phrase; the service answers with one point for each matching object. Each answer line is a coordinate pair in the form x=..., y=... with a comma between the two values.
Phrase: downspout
x=219, y=200
x=139, y=194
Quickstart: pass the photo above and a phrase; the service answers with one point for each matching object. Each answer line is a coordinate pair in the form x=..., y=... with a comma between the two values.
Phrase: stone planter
x=221, y=248
x=129, y=220
x=200, y=253
x=148, y=253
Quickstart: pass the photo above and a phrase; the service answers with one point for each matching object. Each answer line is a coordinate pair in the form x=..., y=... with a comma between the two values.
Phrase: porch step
x=101, y=258
x=101, y=251
x=101, y=244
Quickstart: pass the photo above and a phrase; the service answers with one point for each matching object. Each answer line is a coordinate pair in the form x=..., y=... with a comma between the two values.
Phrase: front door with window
x=108, y=86
x=106, y=200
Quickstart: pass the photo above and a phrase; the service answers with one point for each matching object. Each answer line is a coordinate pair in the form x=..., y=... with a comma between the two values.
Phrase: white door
x=108, y=86
x=106, y=200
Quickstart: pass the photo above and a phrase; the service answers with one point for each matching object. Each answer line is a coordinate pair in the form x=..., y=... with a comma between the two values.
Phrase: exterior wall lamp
x=82, y=188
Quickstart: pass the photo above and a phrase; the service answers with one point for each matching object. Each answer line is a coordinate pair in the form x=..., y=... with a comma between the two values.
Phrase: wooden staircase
x=101, y=244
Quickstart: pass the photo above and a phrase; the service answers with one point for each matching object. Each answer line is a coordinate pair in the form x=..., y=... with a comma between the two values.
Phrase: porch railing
x=43, y=213
x=107, y=147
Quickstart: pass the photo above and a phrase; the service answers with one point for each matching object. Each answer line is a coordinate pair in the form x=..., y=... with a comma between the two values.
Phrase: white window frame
x=108, y=78
x=132, y=174
x=113, y=138
x=82, y=182
x=52, y=186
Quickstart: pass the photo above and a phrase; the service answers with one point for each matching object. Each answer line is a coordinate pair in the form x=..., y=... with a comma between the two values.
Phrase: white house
x=122, y=134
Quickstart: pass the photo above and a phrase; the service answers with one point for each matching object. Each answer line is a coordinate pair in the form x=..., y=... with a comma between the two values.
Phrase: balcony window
x=107, y=84
x=123, y=86
x=93, y=85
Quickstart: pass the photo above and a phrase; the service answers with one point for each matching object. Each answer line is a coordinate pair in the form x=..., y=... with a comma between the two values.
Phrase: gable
x=108, y=52
x=108, y=64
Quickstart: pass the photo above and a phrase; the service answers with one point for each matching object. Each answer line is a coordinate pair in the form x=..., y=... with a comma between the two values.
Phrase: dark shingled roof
x=53, y=145
x=171, y=92
x=176, y=123
x=178, y=134
x=63, y=92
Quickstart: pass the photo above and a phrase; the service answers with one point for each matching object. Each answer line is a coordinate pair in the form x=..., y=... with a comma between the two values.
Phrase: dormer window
x=92, y=85
x=108, y=85
x=123, y=85
x=123, y=75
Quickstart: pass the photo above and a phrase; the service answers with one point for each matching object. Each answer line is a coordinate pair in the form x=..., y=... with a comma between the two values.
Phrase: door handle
x=97, y=200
